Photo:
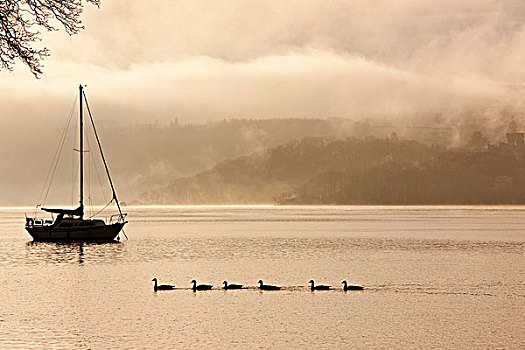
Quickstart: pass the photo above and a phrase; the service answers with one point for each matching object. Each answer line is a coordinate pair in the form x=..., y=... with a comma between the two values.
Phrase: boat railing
x=32, y=222
x=119, y=218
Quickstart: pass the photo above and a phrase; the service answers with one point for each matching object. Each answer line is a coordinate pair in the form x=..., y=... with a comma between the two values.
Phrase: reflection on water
x=242, y=248
x=434, y=277
x=72, y=253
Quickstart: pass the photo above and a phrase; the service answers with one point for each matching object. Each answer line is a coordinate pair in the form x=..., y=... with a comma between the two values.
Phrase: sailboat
x=70, y=224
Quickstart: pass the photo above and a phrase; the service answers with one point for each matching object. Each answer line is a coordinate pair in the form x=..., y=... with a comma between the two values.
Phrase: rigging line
x=87, y=171
x=90, y=205
x=64, y=132
x=72, y=172
x=73, y=175
x=90, y=164
x=58, y=153
x=103, y=158
x=74, y=165
x=100, y=183
x=90, y=200
x=94, y=165
x=101, y=210
x=76, y=171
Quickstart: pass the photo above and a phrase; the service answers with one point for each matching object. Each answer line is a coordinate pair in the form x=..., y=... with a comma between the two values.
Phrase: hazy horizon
x=455, y=64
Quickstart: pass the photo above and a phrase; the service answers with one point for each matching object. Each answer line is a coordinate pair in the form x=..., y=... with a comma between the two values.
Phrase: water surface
x=435, y=277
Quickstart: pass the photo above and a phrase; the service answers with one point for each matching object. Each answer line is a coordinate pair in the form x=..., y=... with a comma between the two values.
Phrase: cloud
x=124, y=33
x=300, y=84
x=201, y=60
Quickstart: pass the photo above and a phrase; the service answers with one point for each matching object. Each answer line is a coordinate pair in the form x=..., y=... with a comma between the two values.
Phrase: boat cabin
x=61, y=222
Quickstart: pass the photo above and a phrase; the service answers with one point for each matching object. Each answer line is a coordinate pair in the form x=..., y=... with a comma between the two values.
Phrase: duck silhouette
x=319, y=287
x=351, y=287
x=263, y=286
x=197, y=287
x=162, y=286
x=231, y=286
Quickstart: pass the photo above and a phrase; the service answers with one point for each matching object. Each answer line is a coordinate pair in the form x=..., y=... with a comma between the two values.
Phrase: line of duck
x=227, y=286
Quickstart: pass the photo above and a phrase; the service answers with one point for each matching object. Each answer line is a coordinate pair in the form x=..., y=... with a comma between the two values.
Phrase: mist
x=202, y=60
x=455, y=64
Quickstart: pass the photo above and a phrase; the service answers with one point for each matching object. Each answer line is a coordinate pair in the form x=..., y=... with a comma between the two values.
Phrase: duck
x=319, y=287
x=197, y=287
x=351, y=287
x=162, y=286
x=232, y=285
x=263, y=286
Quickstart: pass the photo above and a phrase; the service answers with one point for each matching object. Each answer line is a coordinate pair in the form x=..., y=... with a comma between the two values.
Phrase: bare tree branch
x=19, y=22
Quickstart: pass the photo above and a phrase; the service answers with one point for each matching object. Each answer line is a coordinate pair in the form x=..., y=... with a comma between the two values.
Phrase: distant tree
x=19, y=20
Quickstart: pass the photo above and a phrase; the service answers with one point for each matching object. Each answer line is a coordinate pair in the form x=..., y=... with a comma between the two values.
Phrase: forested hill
x=265, y=176
x=142, y=156
x=355, y=171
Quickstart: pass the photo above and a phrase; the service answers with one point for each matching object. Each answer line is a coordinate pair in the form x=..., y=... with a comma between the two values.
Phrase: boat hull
x=105, y=233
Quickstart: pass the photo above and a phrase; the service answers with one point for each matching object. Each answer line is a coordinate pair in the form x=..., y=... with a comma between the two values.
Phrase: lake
x=434, y=277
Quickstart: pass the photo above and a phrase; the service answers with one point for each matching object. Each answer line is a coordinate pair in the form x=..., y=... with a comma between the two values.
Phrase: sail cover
x=75, y=212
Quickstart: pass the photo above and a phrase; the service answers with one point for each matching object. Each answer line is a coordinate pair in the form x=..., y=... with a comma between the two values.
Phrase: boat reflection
x=73, y=252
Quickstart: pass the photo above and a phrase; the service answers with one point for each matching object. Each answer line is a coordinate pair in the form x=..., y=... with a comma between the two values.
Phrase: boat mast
x=81, y=153
x=114, y=197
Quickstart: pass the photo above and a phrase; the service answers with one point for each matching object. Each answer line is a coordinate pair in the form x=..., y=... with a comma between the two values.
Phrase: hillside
x=145, y=157
x=355, y=171
x=141, y=156
x=265, y=176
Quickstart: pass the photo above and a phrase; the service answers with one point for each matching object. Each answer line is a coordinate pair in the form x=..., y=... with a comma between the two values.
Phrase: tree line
x=320, y=170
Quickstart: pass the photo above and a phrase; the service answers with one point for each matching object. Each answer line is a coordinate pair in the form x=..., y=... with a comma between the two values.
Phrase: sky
x=201, y=60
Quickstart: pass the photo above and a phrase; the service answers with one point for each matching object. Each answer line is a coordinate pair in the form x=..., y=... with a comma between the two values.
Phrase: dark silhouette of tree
x=19, y=23
x=319, y=170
